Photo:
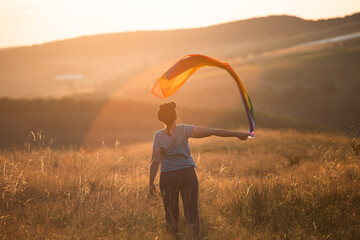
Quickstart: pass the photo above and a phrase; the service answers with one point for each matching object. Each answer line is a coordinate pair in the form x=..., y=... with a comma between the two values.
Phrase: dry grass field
x=280, y=185
x=85, y=174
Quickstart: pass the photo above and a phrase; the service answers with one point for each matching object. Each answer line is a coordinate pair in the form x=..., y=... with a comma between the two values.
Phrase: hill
x=305, y=70
x=34, y=71
x=70, y=123
x=76, y=167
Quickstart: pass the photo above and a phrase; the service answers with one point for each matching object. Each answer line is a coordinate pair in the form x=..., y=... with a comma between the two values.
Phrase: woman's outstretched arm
x=154, y=166
x=201, y=132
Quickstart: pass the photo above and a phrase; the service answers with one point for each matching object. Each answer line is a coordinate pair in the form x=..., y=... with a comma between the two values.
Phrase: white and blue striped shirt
x=175, y=149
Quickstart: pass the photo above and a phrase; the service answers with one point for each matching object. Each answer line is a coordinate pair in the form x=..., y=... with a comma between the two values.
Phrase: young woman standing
x=171, y=150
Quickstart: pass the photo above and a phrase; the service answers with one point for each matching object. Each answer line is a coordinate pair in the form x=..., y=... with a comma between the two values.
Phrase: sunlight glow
x=24, y=22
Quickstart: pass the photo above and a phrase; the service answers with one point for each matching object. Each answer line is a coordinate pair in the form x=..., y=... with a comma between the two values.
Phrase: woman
x=171, y=149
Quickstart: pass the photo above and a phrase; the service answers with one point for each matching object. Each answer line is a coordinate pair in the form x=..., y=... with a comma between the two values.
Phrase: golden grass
x=280, y=185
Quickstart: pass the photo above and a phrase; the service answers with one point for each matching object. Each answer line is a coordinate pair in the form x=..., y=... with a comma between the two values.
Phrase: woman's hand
x=242, y=136
x=152, y=189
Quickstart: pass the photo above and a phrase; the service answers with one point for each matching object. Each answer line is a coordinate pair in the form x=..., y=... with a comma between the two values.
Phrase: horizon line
x=173, y=29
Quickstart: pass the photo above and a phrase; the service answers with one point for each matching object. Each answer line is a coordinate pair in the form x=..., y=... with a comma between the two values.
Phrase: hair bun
x=170, y=105
x=167, y=113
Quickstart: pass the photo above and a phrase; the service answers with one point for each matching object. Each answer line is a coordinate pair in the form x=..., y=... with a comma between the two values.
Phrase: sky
x=28, y=22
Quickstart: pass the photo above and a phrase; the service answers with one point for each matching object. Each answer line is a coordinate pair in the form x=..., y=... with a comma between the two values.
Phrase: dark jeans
x=184, y=181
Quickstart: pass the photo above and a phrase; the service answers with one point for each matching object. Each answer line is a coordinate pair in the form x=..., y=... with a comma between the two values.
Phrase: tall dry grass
x=280, y=185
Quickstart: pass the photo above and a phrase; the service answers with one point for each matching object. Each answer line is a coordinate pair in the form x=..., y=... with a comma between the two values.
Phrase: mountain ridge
x=286, y=25
x=108, y=61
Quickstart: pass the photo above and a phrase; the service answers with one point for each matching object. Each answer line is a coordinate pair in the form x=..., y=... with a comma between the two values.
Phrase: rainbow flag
x=176, y=76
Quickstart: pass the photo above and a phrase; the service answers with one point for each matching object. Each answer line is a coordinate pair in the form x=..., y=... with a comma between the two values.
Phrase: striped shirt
x=175, y=149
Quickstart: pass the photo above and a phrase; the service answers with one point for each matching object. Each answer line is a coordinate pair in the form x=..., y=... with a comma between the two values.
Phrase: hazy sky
x=26, y=22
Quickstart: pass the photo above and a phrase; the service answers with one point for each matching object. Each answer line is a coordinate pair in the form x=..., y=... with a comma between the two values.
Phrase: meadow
x=284, y=184
x=75, y=153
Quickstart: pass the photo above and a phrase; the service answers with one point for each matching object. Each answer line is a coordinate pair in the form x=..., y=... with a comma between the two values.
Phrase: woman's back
x=175, y=149
x=171, y=150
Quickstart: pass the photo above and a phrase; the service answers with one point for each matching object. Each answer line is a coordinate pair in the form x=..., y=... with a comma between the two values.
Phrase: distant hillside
x=105, y=62
x=76, y=123
x=143, y=42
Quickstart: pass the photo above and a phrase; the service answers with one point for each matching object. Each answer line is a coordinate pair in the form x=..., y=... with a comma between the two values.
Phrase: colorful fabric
x=175, y=149
x=176, y=76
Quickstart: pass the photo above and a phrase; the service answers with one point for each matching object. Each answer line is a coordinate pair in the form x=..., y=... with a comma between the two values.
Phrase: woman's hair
x=167, y=113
